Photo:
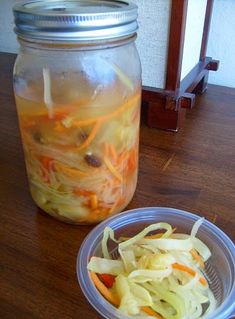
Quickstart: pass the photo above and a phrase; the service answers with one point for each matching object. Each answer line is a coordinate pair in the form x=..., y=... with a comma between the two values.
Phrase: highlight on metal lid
x=75, y=20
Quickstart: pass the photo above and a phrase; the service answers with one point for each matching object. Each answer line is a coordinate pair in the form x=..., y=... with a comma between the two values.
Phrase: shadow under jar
x=77, y=84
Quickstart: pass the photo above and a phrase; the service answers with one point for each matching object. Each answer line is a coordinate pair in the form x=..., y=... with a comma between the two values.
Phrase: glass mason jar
x=77, y=84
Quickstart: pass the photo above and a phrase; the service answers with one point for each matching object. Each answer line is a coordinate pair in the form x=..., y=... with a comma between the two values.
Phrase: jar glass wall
x=79, y=109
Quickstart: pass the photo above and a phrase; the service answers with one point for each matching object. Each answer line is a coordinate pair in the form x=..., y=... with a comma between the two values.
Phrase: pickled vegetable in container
x=77, y=85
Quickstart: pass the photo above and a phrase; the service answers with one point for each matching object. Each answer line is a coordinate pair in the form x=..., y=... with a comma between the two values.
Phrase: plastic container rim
x=104, y=307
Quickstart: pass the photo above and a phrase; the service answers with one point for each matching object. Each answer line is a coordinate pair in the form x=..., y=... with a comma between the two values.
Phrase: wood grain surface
x=193, y=170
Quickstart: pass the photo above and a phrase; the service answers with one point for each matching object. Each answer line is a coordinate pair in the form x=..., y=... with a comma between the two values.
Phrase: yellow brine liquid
x=81, y=160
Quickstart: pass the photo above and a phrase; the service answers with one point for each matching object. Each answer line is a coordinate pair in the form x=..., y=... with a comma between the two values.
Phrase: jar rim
x=75, y=20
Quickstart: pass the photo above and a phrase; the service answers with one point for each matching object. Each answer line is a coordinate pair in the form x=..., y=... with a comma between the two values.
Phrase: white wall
x=8, y=41
x=193, y=35
x=221, y=43
x=152, y=40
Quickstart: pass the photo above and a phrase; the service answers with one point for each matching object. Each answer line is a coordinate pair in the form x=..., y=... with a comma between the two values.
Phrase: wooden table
x=193, y=170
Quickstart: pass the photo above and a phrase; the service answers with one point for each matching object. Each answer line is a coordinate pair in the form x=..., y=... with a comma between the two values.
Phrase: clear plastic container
x=77, y=84
x=220, y=268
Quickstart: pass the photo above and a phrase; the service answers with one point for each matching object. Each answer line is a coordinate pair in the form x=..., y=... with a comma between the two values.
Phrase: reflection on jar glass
x=78, y=94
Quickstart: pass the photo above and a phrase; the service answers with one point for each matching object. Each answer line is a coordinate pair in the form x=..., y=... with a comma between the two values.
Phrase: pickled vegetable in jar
x=77, y=85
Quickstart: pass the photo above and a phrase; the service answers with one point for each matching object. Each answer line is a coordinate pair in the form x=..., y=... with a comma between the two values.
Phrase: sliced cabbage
x=144, y=232
x=129, y=260
x=143, y=275
x=132, y=296
x=169, y=243
x=128, y=303
x=147, y=276
x=104, y=266
x=108, y=233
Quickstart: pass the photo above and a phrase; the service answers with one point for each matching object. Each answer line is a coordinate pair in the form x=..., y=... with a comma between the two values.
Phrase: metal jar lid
x=75, y=20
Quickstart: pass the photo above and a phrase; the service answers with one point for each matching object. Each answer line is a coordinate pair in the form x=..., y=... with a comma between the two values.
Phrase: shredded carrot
x=154, y=236
x=45, y=176
x=190, y=271
x=59, y=127
x=113, y=152
x=106, y=149
x=98, y=214
x=82, y=123
x=96, y=211
x=112, y=169
x=110, y=151
x=158, y=235
x=104, y=212
x=91, y=136
x=136, y=114
x=132, y=161
x=113, y=207
x=58, y=115
x=104, y=290
x=123, y=156
x=71, y=172
x=103, y=118
x=94, y=216
x=26, y=124
x=124, y=238
x=127, y=105
x=108, y=295
x=151, y=312
x=93, y=202
x=120, y=201
x=197, y=257
x=82, y=192
x=45, y=161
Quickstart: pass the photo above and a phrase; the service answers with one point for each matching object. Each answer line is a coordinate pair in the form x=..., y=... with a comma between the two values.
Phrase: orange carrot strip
x=113, y=152
x=154, y=236
x=190, y=271
x=25, y=124
x=151, y=312
x=71, y=172
x=122, y=157
x=82, y=123
x=59, y=115
x=81, y=192
x=127, y=105
x=104, y=290
x=96, y=212
x=120, y=201
x=135, y=115
x=123, y=238
x=45, y=161
x=113, y=169
x=197, y=257
x=106, y=149
x=158, y=235
x=59, y=127
x=104, y=118
x=93, y=202
x=132, y=161
x=94, y=216
x=91, y=136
